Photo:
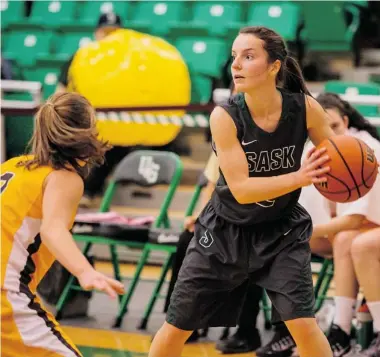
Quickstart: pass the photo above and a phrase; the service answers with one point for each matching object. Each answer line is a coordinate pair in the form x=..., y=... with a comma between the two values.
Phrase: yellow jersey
x=26, y=328
x=24, y=259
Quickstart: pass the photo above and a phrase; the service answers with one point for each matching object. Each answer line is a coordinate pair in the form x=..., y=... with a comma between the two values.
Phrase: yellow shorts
x=27, y=330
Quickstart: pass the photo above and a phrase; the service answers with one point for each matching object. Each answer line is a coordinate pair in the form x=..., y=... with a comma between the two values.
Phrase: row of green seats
x=201, y=18
x=204, y=56
x=55, y=13
x=27, y=47
x=157, y=14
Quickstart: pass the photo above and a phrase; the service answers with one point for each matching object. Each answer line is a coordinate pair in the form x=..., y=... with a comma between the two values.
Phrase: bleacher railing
x=196, y=115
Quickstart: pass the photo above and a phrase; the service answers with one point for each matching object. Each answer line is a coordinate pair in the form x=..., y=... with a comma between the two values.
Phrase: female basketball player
x=253, y=227
x=39, y=198
x=352, y=232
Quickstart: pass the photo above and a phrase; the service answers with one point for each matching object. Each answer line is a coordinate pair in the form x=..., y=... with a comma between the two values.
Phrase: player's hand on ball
x=311, y=170
x=92, y=279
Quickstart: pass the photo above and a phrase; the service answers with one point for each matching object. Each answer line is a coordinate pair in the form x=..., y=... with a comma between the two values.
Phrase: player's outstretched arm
x=62, y=192
x=234, y=165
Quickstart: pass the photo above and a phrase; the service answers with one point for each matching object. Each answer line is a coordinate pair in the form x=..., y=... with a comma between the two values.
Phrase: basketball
x=353, y=169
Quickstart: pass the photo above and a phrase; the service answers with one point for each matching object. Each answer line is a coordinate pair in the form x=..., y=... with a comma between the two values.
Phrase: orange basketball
x=353, y=169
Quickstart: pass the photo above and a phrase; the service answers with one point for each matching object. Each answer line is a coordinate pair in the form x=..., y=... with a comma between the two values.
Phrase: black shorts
x=223, y=258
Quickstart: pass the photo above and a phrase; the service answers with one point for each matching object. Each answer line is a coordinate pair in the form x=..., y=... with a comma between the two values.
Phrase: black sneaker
x=240, y=342
x=339, y=341
x=281, y=345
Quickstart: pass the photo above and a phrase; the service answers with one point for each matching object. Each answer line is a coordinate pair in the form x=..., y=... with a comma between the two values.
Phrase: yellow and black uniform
x=26, y=328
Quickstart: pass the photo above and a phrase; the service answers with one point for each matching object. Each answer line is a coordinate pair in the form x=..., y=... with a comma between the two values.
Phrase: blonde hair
x=65, y=135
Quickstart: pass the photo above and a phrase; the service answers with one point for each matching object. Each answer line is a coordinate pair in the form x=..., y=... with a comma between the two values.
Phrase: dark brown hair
x=355, y=119
x=65, y=135
x=290, y=75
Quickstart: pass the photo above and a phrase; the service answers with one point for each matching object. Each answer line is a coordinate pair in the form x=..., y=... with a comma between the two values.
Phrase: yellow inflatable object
x=126, y=69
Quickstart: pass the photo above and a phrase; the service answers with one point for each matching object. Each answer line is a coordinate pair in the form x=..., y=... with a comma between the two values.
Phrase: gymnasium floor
x=96, y=338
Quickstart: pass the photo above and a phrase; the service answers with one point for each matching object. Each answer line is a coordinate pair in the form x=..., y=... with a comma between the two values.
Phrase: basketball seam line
x=348, y=168
x=343, y=183
x=362, y=170
x=339, y=192
x=364, y=180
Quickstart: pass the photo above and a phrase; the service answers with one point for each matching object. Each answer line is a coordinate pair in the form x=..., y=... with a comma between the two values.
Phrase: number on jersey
x=5, y=178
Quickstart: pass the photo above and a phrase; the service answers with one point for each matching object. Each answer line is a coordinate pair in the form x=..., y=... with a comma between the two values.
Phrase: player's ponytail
x=355, y=119
x=65, y=135
x=290, y=75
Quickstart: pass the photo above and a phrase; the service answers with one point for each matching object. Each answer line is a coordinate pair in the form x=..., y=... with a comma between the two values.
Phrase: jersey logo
x=247, y=143
x=266, y=204
x=5, y=178
x=275, y=159
x=206, y=240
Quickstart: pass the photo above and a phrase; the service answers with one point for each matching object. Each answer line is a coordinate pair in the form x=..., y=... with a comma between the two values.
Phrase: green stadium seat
x=4, y=38
x=65, y=47
x=70, y=43
x=361, y=3
x=91, y=10
x=11, y=11
x=325, y=26
x=368, y=110
x=52, y=14
x=156, y=17
x=18, y=132
x=26, y=47
x=201, y=89
x=18, y=129
x=205, y=56
x=210, y=19
x=47, y=76
x=357, y=89
x=284, y=18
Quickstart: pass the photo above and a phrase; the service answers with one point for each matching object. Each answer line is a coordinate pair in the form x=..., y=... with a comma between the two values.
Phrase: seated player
x=353, y=233
x=365, y=258
x=40, y=193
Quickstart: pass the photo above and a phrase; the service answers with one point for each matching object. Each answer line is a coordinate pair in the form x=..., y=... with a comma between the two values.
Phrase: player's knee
x=342, y=244
x=172, y=333
x=362, y=248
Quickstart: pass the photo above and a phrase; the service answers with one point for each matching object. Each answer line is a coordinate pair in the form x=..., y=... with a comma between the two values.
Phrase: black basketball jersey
x=267, y=154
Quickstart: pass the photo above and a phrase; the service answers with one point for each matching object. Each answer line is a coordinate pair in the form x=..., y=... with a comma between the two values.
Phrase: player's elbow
x=49, y=230
x=239, y=188
x=46, y=231
x=239, y=194
x=243, y=200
